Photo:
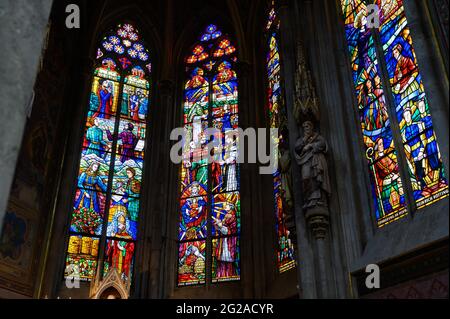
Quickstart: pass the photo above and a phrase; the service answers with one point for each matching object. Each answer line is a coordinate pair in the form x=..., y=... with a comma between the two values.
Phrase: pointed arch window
x=210, y=209
x=105, y=212
x=283, y=208
x=404, y=161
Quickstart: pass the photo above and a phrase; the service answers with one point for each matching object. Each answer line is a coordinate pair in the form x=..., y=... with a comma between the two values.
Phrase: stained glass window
x=210, y=209
x=106, y=206
x=283, y=199
x=409, y=107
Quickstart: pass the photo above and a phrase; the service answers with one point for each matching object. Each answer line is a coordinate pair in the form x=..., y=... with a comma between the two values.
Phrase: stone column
x=253, y=283
x=22, y=37
x=318, y=222
x=289, y=36
x=161, y=272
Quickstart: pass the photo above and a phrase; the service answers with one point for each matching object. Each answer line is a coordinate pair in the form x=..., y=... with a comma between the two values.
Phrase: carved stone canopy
x=306, y=100
x=111, y=287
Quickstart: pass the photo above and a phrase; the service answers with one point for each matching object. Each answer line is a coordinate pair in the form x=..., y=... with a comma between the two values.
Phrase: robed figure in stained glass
x=120, y=226
x=88, y=182
x=361, y=52
x=193, y=212
x=105, y=96
x=94, y=137
x=431, y=148
x=375, y=113
x=226, y=246
x=405, y=76
x=134, y=106
x=120, y=255
x=129, y=142
x=388, y=180
x=132, y=191
x=231, y=153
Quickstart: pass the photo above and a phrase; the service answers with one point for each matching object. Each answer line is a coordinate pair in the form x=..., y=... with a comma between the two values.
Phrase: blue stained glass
x=283, y=203
x=112, y=146
x=411, y=104
x=387, y=189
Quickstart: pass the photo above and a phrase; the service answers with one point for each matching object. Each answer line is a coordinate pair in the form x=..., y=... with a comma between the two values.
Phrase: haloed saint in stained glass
x=283, y=201
x=107, y=198
x=411, y=107
x=207, y=209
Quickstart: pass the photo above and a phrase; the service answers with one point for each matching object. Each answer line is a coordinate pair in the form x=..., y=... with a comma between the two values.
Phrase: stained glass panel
x=283, y=200
x=387, y=188
x=226, y=214
x=97, y=133
x=425, y=165
x=192, y=263
x=104, y=97
x=119, y=255
x=128, y=177
x=81, y=260
x=426, y=171
x=225, y=178
x=194, y=177
x=130, y=139
x=115, y=133
x=226, y=259
x=88, y=212
x=123, y=217
x=94, y=171
x=193, y=215
x=210, y=100
x=134, y=103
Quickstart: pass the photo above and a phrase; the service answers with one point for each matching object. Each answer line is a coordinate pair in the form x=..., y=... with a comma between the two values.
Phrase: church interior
x=93, y=204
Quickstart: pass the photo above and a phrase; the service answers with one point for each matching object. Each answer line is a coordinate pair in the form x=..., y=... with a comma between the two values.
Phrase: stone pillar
x=22, y=37
x=161, y=271
x=287, y=48
x=318, y=222
x=253, y=284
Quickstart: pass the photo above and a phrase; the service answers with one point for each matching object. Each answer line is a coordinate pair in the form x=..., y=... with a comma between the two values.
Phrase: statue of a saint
x=310, y=153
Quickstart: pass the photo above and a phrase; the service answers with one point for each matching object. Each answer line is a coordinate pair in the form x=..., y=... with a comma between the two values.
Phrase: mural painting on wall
x=17, y=246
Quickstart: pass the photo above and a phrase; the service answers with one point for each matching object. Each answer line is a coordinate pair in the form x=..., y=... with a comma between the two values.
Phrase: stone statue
x=310, y=153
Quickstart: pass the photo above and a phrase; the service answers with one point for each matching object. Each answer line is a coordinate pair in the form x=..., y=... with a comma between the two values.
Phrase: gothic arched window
x=105, y=212
x=281, y=177
x=210, y=208
x=404, y=161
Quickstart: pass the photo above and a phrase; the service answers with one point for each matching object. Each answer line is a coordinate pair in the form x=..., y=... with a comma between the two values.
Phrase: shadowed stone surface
x=22, y=36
